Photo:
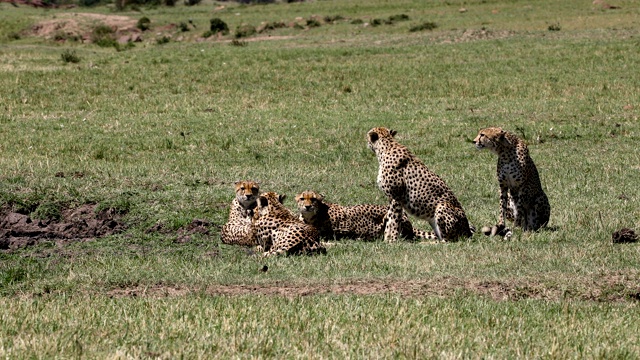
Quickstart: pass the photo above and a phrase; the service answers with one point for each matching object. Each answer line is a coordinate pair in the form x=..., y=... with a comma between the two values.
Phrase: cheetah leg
x=436, y=228
x=539, y=215
x=394, y=215
x=505, y=199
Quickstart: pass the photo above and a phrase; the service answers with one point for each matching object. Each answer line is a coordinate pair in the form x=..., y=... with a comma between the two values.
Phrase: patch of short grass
x=160, y=133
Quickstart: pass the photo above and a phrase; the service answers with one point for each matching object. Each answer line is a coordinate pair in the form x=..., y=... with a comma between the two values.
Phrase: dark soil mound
x=82, y=223
x=624, y=235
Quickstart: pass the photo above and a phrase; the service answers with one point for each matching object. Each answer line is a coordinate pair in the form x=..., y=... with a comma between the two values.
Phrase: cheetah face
x=489, y=138
x=247, y=193
x=375, y=134
x=267, y=201
x=309, y=203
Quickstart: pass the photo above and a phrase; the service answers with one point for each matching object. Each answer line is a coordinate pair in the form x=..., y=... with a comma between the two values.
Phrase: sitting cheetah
x=237, y=230
x=358, y=221
x=522, y=199
x=411, y=186
x=278, y=231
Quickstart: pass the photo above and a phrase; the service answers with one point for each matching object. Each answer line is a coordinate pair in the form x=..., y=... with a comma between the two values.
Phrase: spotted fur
x=411, y=186
x=335, y=221
x=522, y=199
x=279, y=231
x=237, y=230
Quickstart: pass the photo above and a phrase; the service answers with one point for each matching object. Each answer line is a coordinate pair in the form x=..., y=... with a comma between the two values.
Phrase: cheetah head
x=247, y=193
x=309, y=203
x=269, y=202
x=374, y=135
x=490, y=138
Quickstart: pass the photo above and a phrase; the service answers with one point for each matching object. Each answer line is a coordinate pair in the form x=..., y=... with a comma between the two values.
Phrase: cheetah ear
x=503, y=138
x=281, y=198
x=263, y=201
x=320, y=197
x=373, y=137
x=393, y=132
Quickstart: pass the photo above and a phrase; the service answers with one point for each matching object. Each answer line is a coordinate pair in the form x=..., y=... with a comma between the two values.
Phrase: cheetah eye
x=481, y=134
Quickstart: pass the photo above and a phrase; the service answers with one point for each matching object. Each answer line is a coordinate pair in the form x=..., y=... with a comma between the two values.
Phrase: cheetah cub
x=411, y=186
x=279, y=231
x=335, y=221
x=237, y=230
x=522, y=199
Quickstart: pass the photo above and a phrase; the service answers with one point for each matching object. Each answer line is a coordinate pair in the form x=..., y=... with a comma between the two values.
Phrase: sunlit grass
x=164, y=131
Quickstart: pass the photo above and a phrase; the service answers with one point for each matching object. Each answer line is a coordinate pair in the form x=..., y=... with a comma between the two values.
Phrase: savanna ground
x=117, y=164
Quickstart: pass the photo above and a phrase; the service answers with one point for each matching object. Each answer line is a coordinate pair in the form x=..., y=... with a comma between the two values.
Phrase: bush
x=163, y=40
x=183, y=26
x=400, y=17
x=144, y=23
x=192, y=2
x=69, y=56
x=330, y=19
x=245, y=31
x=554, y=27
x=88, y=3
x=424, y=26
x=313, y=23
x=207, y=34
x=219, y=26
x=236, y=42
x=103, y=36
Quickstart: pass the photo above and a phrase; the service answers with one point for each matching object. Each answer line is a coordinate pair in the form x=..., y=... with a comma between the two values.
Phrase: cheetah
x=411, y=186
x=358, y=221
x=278, y=230
x=522, y=199
x=237, y=230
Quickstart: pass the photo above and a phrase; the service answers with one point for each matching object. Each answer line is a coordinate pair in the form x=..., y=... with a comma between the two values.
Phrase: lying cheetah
x=278, y=231
x=411, y=186
x=522, y=199
x=237, y=230
x=358, y=222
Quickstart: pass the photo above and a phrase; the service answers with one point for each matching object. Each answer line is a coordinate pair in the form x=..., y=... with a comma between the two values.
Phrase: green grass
x=161, y=132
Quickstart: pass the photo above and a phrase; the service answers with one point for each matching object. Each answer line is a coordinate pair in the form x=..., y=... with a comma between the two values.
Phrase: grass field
x=158, y=132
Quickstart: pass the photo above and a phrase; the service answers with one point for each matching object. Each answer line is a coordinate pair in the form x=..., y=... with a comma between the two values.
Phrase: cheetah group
x=261, y=219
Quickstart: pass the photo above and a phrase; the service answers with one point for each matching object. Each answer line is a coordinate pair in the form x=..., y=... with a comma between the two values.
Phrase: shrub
x=245, y=31
x=376, y=22
x=236, y=42
x=144, y=23
x=399, y=17
x=357, y=21
x=163, y=40
x=103, y=36
x=69, y=56
x=217, y=25
x=207, y=34
x=192, y=2
x=183, y=26
x=554, y=27
x=313, y=23
x=330, y=19
x=271, y=26
x=88, y=3
x=424, y=26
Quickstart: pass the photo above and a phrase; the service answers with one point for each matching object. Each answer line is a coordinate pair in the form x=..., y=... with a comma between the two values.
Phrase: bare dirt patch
x=610, y=288
x=82, y=223
x=80, y=26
